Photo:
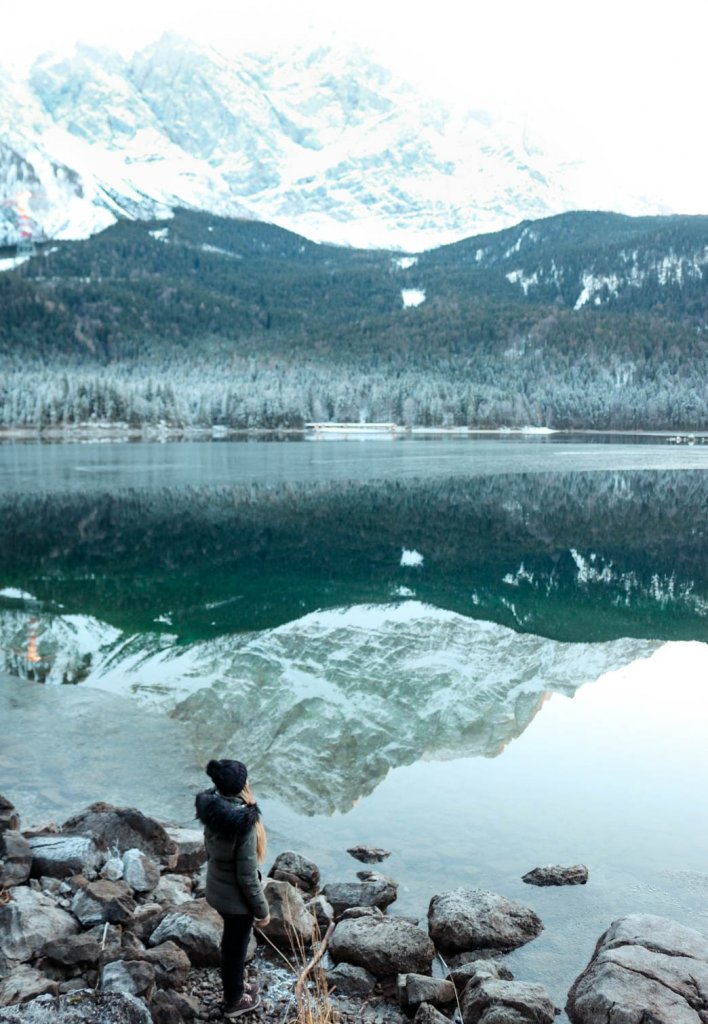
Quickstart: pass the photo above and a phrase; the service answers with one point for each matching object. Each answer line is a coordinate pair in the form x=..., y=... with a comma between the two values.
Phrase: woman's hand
x=263, y=922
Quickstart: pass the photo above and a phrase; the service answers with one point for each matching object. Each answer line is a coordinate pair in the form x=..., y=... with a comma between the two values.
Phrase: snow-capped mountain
x=324, y=142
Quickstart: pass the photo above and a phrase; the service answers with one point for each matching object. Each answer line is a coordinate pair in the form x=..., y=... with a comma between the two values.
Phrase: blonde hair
x=247, y=796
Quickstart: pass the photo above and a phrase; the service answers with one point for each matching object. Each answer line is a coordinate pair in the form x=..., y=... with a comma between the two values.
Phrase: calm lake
x=482, y=655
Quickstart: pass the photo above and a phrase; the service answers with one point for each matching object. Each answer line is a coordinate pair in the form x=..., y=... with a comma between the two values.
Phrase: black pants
x=234, y=945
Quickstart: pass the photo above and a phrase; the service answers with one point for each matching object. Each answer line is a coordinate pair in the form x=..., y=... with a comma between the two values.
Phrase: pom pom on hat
x=229, y=777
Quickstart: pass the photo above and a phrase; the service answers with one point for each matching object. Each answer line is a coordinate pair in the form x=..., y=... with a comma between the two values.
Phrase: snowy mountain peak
x=325, y=142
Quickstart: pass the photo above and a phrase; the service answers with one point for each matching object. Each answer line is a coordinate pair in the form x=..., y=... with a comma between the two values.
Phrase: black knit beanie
x=229, y=777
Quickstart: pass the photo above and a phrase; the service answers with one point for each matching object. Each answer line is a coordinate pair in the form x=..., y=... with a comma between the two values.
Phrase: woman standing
x=235, y=842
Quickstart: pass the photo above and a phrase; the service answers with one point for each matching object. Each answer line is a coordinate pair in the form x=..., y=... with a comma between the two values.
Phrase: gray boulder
x=172, y=890
x=140, y=871
x=349, y=980
x=477, y=971
x=368, y=854
x=146, y=919
x=137, y=977
x=291, y=923
x=191, y=853
x=84, y=1007
x=171, y=964
x=427, y=1014
x=351, y=912
x=383, y=945
x=15, y=858
x=322, y=911
x=414, y=989
x=297, y=870
x=469, y=919
x=196, y=928
x=507, y=1002
x=73, y=950
x=103, y=901
x=112, y=869
x=59, y=856
x=25, y=983
x=378, y=891
x=28, y=920
x=9, y=818
x=124, y=828
x=170, y=1007
x=556, y=874
x=644, y=968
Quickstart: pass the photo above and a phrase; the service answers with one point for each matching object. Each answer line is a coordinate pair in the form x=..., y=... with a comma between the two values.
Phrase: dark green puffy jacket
x=233, y=883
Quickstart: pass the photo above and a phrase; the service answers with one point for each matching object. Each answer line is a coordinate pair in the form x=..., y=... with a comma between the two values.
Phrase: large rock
x=140, y=871
x=9, y=818
x=134, y=976
x=414, y=989
x=493, y=1001
x=26, y=983
x=191, y=853
x=291, y=923
x=196, y=928
x=15, y=858
x=28, y=920
x=469, y=919
x=103, y=901
x=644, y=968
x=377, y=891
x=383, y=945
x=84, y=1007
x=124, y=828
x=59, y=856
x=297, y=870
x=555, y=874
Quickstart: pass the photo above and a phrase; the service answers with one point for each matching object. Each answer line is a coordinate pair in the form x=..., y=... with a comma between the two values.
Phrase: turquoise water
x=482, y=655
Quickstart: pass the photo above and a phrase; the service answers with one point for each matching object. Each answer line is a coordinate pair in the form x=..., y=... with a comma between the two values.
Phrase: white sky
x=618, y=77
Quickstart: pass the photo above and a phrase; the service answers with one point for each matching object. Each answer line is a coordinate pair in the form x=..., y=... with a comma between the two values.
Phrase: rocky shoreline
x=104, y=919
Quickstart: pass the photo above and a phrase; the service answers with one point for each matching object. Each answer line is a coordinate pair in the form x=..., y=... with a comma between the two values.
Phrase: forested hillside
x=578, y=321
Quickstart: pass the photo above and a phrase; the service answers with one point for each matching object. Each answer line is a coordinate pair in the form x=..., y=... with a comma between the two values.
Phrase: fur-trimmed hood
x=227, y=816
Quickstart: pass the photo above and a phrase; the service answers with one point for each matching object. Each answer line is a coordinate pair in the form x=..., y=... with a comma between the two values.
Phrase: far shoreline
x=117, y=433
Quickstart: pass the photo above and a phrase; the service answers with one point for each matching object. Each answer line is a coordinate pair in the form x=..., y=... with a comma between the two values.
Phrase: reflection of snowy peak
x=342, y=695
x=323, y=142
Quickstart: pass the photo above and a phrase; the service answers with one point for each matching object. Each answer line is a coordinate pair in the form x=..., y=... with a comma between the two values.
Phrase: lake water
x=482, y=655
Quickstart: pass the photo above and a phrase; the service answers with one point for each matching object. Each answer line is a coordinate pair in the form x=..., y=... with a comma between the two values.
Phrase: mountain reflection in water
x=568, y=555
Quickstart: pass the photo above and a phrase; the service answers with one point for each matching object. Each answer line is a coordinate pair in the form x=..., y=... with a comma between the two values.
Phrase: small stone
x=368, y=854
x=555, y=874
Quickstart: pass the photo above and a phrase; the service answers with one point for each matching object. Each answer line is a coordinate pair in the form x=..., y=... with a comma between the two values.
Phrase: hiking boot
x=248, y=1001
